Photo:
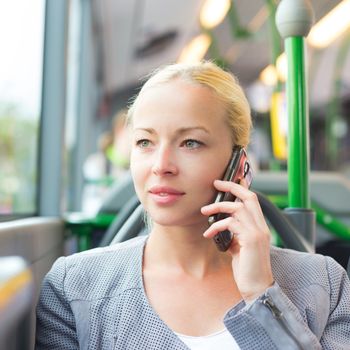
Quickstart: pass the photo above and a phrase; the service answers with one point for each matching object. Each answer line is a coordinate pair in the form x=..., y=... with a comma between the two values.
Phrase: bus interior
x=70, y=68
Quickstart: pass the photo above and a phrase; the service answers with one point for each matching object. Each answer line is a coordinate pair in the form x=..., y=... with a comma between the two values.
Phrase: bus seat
x=329, y=194
x=16, y=299
x=118, y=195
x=134, y=226
x=119, y=220
x=328, y=189
x=39, y=241
x=91, y=231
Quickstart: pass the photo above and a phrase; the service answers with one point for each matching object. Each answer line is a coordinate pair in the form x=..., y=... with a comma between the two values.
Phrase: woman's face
x=181, y=143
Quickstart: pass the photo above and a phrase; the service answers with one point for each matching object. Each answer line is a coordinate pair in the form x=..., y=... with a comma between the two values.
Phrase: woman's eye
x=143, y=143
x=192, y=143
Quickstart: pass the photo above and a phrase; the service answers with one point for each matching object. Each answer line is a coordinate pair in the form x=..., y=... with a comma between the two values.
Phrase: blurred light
x=269, y=75
x=259, y=96
x=282, y=68
x=330, y=26
x=336, y=22
x=259, y=19
x=339, y=128
x=213, y=12
x=279, y=125
x=195, y=50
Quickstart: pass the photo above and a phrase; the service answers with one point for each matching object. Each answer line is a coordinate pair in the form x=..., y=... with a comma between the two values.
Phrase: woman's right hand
x=250, y=246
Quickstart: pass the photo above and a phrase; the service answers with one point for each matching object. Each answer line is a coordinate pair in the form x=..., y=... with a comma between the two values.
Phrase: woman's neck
x=183, y=250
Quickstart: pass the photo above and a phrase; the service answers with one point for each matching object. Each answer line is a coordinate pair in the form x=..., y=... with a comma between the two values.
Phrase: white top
x=222, y=340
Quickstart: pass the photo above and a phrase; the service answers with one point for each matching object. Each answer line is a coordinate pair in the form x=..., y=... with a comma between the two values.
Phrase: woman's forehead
x=176, y=99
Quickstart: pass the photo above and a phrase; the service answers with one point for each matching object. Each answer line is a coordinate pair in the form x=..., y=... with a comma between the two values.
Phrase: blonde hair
x=224, y=85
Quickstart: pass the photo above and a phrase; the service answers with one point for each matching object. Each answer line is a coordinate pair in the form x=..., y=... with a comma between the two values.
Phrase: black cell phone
x=237, y=169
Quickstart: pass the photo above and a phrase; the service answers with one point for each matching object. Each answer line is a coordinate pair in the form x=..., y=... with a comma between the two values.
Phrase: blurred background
x=68, y=70
x=110, y=45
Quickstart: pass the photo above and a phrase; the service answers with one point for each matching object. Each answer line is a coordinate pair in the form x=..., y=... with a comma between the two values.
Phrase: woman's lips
x=165, y=194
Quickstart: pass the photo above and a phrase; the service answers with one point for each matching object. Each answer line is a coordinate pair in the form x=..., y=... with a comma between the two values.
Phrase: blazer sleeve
x=337, y=332
x=55, y=325
x=276, y=323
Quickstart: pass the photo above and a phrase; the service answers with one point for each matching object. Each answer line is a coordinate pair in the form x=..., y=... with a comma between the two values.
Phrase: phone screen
x=237, y=169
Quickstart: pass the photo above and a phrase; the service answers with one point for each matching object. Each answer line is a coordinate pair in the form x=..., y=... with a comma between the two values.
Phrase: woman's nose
x=164, y=162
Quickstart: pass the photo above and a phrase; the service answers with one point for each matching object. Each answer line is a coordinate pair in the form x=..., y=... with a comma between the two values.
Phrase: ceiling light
x=213, y=12
x=195, y=50
x=330, y=26
x=336, y=22
x=269, y=75
x=282, y=68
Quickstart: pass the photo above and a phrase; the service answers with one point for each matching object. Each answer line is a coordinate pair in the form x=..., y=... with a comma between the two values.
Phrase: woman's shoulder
x=126, y=249
x=293, y=269
x=100, y=272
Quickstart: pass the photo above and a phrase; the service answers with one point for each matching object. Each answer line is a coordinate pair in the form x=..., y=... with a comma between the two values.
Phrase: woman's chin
x=166, y=221
x=178, y=221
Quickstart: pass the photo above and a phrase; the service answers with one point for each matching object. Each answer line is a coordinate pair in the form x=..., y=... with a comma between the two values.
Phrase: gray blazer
x=96, y=300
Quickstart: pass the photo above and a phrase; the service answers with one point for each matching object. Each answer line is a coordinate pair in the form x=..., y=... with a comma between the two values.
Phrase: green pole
x=294, y=19
x=298, y=125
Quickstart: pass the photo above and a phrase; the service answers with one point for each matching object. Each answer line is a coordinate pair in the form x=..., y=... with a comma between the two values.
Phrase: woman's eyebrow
x=149, y=130
x=192, y=128
x=179, y=131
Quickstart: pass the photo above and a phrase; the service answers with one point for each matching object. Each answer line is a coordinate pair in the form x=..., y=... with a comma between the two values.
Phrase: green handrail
x=294, y=19
x=323, y=218
x=298, y=123
x=82, y=227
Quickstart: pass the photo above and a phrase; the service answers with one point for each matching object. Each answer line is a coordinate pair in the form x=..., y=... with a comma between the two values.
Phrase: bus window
x=21, y=41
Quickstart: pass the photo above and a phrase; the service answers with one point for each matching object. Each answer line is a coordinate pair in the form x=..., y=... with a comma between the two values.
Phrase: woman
x=175, y=289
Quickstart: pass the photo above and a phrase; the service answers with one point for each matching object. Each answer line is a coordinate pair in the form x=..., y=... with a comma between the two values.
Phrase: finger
x=249, y=198
x=236, y=189
x=225, y=224
x=253, y=206
x=239, y=213
x=222, y=207
x=238, y=209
